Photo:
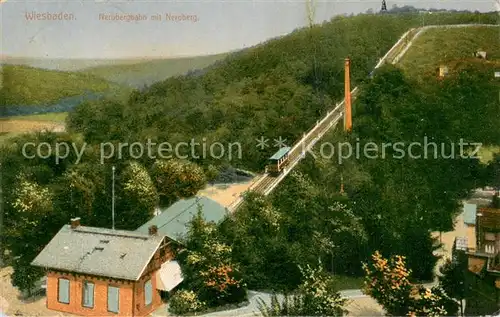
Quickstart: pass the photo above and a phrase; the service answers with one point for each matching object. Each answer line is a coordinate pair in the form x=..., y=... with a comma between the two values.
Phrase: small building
x=443, y=71
x=103, y=272
x=173, y=221
x=480, y=54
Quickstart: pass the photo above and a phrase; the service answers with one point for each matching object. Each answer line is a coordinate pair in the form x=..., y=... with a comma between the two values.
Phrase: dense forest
x=278, y=88
x=25, y=86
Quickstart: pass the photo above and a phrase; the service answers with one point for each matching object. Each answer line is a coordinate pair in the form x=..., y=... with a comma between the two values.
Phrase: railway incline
x=266, y=183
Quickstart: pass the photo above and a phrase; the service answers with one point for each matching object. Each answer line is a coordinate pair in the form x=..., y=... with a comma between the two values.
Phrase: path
x=30, y=126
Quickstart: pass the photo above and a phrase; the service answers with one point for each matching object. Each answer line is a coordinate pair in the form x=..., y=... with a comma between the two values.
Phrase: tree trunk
x=332, y=263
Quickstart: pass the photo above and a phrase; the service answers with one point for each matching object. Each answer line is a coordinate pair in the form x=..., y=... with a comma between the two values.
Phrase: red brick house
x=104, y=272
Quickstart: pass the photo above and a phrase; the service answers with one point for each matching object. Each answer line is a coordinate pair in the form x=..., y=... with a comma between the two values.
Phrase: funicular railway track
x=266, y=183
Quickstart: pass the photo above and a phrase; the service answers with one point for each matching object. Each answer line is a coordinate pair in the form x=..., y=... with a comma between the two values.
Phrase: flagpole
x=113, y=200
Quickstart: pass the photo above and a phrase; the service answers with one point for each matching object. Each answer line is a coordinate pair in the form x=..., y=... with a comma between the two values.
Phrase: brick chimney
x=75, y=222
x=153, y=230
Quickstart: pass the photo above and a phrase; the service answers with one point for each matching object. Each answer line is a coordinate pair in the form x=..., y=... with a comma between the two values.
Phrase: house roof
x=97, y=251
x=173, y=221
x=470, y=214
x=478, y=265
x=280, y=153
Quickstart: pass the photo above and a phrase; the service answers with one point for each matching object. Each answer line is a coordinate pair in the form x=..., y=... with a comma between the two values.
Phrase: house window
x=113, y=299
x=148, y=293
x=88, y=294
x=63, y=291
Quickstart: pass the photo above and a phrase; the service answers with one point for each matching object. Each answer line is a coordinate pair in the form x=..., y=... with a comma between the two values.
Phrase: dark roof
x=281, y=152
x=490, y=218
x=97, y=251
x=173, y=221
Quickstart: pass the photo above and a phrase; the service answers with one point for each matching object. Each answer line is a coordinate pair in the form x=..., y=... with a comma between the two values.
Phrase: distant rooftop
x=470, y=214
x=173, y=221
x=490, y=218
x=98, y=251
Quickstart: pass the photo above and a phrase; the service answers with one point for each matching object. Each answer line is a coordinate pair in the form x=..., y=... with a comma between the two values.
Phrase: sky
x=214, y=26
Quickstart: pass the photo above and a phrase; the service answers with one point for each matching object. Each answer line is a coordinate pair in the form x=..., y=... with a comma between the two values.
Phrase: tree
x=493, y=173
x=211, y=173
x=175, y=179
x=314, y=297
x=34, y=210
x=138, y=197
x=207, y=265
x=452, y=278
x=78, y=191
x=257, y=223
x=387, y=281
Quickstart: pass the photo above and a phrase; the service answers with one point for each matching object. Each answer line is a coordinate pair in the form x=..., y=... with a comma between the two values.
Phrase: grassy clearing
x=437, y=47
x=54, y=117
x=29, y=126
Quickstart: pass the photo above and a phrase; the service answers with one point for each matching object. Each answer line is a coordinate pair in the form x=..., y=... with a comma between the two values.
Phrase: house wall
x=471, y=236
x=151, y=272
x=140, y=308
x=497, y=243
x=100, y=295
x=131, y=298
x=131, y=293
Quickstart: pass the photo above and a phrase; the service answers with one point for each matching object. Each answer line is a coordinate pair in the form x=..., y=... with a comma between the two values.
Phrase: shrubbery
x=184, y=302
x=314, y=297
x=208, y=268
x=387, y=281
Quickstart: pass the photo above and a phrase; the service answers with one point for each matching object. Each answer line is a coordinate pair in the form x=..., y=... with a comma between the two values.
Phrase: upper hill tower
x=384, y=6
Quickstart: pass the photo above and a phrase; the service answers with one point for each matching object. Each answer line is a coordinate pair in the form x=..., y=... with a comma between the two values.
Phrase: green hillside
x=138, y=74
x=24, y=85
x=454, y=48
x=278, y=88
x=437, y=47
x=64, y=64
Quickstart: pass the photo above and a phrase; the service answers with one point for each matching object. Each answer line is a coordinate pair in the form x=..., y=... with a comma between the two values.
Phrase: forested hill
x=278, y=88
x=25, y=86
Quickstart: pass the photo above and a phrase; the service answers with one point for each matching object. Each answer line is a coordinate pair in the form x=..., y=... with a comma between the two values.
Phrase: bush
x=184, y=302
x=315, y=297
